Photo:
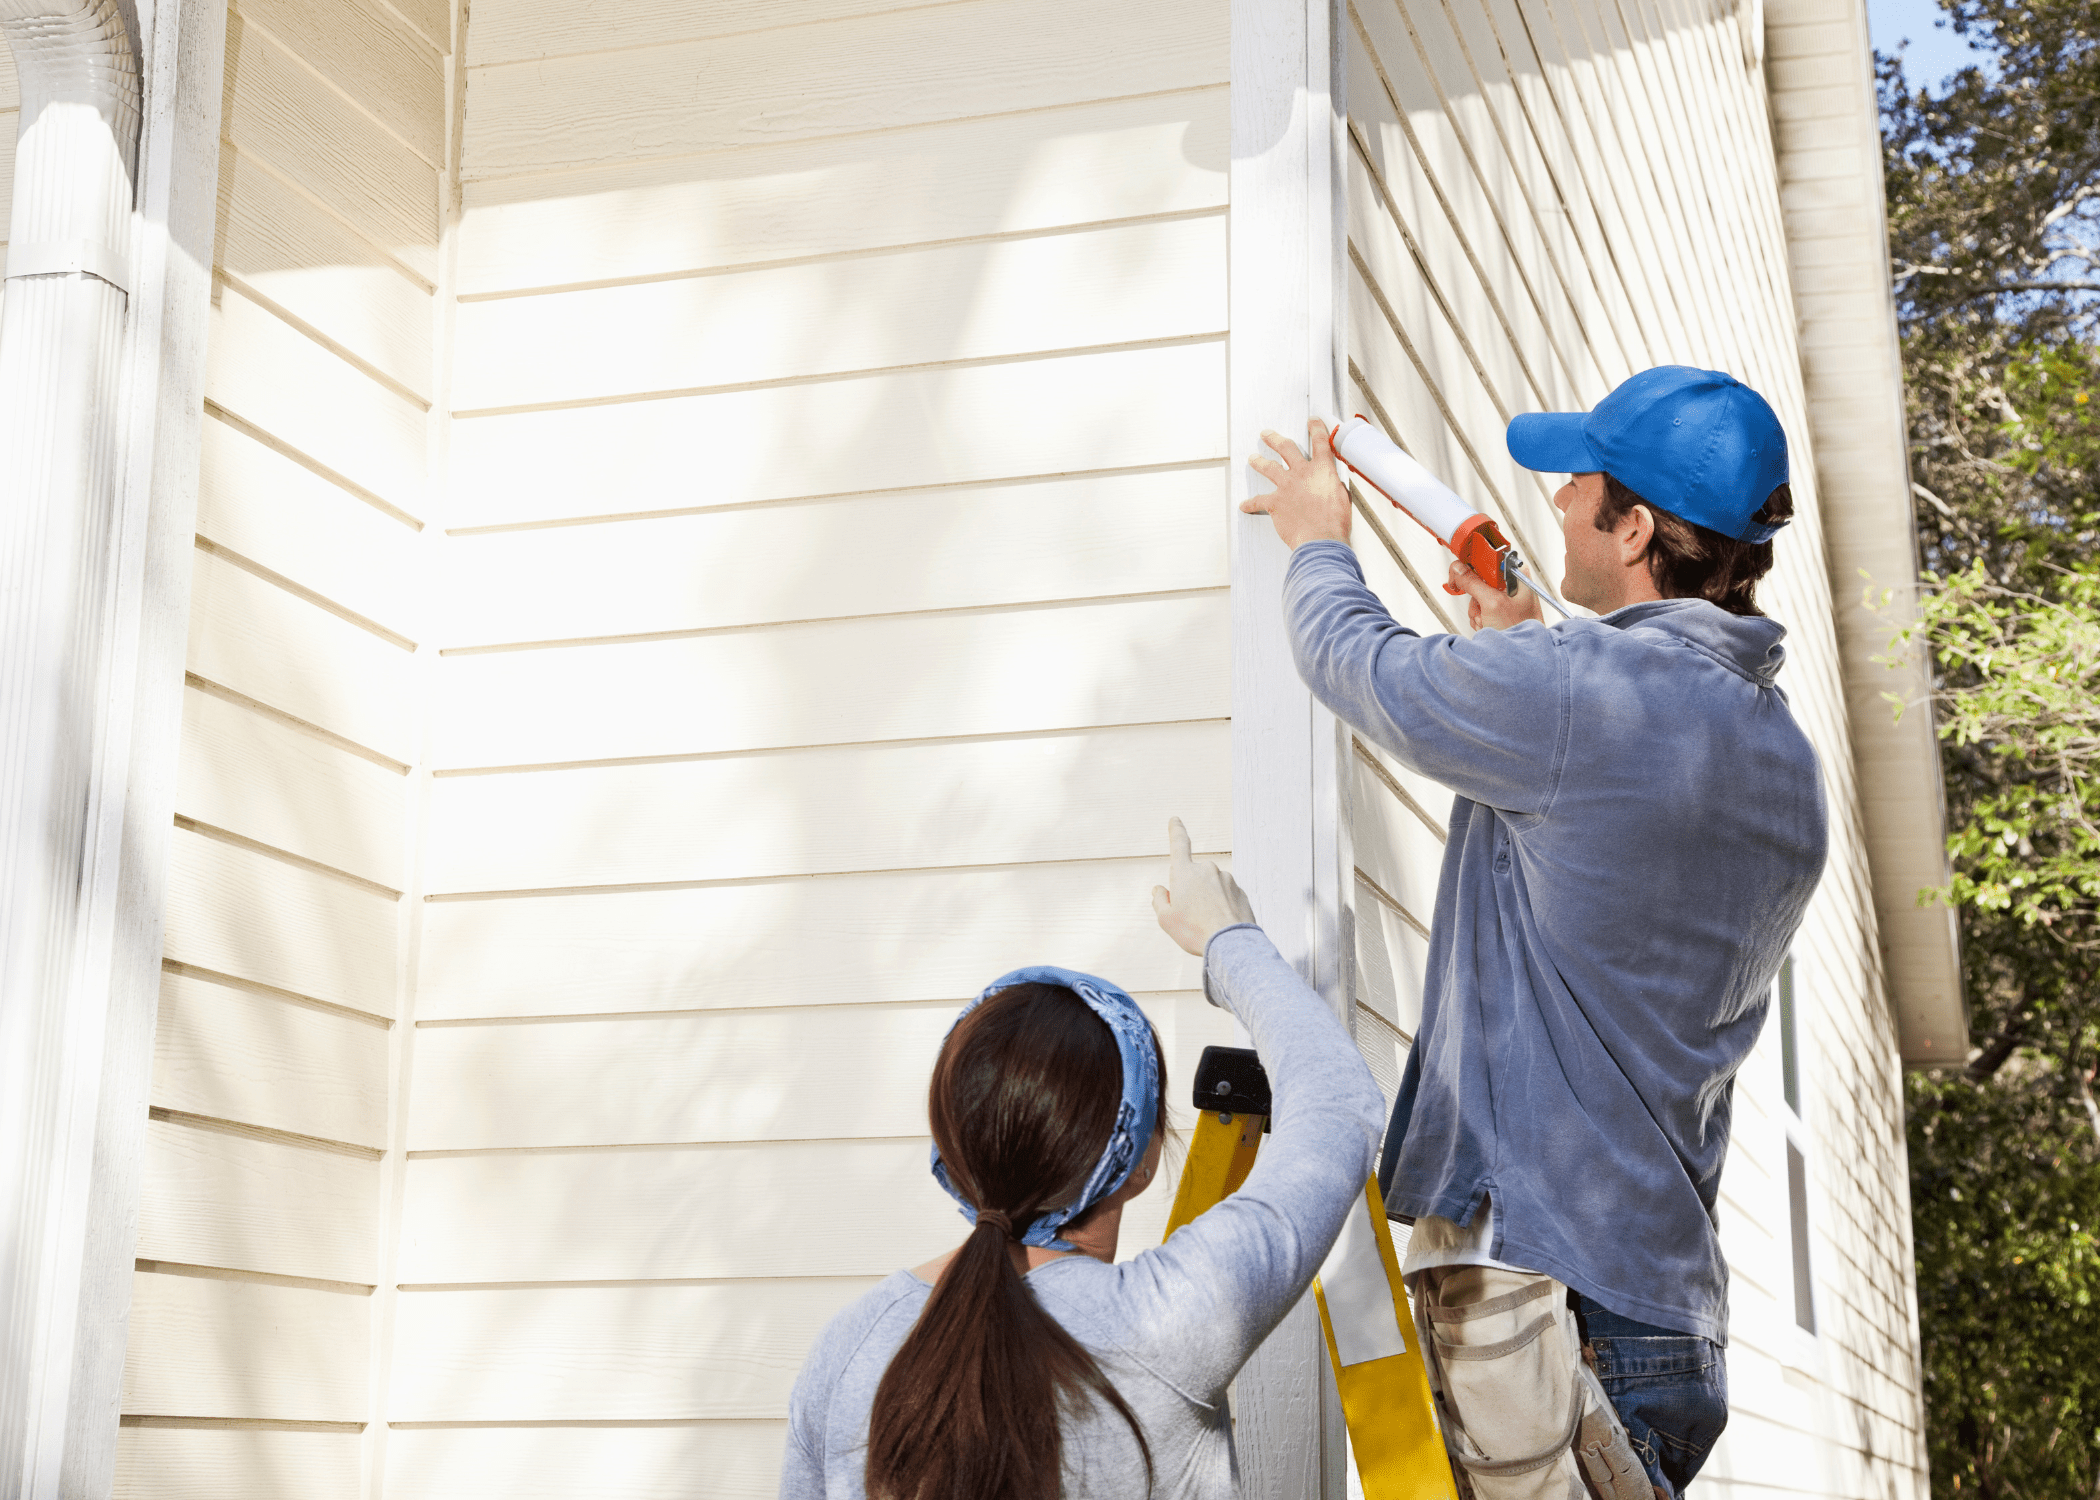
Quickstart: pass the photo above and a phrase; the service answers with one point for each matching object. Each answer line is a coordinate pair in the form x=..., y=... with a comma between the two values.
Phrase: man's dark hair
x=1687, y=561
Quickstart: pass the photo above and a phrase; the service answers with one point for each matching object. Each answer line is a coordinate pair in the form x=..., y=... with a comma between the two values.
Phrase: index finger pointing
x=1178, y=843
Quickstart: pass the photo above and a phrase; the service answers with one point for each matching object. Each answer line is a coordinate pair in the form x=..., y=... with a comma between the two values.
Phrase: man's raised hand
x=1310, y=503
x=1203, y=897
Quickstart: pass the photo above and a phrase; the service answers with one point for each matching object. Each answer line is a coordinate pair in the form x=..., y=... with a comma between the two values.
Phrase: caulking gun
x=1474, y=539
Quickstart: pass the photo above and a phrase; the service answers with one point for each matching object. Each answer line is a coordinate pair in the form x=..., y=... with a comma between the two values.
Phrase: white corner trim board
x=1289, y=835
x=92, y=477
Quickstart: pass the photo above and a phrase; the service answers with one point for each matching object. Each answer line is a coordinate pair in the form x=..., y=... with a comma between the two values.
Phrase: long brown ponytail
x=1023, y=1099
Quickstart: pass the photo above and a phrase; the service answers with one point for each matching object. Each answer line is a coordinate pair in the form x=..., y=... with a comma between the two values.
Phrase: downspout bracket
x=67, y=257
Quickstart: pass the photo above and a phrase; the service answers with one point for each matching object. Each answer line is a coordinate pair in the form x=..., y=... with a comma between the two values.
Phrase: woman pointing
x=1026, y=1363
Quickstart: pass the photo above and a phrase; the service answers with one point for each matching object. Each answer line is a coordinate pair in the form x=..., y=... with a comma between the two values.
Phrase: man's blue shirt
x=1638, y=828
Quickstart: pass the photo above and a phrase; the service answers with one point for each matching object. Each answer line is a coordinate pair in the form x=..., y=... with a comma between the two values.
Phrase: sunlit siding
x=834, y=584
x=263, y=1221
x=1544, y=198
x=717, y=548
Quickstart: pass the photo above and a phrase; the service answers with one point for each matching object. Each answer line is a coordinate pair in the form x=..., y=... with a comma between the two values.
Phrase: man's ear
x=1634, y=535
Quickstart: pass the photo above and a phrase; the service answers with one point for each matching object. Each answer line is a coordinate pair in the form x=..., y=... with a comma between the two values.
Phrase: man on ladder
x=1638, y=828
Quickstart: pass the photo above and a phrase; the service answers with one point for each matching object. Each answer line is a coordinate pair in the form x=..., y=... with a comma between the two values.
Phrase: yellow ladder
x=1363, y=1305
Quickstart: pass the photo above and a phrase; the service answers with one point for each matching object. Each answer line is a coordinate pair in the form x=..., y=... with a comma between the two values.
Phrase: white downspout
x=62, y=426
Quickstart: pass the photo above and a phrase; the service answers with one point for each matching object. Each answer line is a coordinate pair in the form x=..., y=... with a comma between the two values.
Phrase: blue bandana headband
x=1136, y=1117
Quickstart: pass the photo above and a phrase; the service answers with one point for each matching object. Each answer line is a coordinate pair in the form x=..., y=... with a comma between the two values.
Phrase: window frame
x=1803, y=1345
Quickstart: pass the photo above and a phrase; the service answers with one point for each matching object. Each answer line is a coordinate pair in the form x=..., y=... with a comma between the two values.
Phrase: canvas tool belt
x=1363, y=1306
x=1523, y=1413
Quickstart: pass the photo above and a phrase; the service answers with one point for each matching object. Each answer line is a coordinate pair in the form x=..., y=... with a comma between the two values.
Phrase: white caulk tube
x=1400, y=479
x=1471, y=537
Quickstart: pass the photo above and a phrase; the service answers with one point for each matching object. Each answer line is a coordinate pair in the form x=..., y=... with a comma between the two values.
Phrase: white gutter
x=62, y=466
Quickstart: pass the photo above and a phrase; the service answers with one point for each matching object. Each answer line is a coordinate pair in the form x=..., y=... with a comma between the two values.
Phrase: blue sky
x=1934, y=52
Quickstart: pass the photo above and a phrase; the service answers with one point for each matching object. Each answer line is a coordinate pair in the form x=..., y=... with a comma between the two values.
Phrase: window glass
x=1789, y=1055
x=1797, y=1211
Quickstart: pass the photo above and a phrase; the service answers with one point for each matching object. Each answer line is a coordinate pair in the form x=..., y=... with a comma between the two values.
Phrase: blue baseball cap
x=1698, y=443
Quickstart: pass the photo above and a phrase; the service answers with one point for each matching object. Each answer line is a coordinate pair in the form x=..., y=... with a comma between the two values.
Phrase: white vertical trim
x=1290, y=846
x=388, y=1307
x=1326, y=325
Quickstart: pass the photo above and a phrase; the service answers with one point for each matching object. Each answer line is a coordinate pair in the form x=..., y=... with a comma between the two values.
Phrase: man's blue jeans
x=1670, y=1389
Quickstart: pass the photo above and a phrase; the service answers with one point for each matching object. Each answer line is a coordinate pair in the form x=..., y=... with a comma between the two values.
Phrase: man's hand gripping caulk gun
x=1311, y=503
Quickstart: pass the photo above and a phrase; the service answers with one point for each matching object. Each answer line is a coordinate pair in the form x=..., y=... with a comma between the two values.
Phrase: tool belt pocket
x=1523, y=1416
x=1508, y=1374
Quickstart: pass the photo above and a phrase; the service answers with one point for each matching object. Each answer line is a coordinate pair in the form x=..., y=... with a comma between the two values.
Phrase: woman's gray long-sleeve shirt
x=1169, y=1327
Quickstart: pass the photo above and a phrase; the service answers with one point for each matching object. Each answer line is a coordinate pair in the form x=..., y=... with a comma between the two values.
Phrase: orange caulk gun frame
x=1480, y=545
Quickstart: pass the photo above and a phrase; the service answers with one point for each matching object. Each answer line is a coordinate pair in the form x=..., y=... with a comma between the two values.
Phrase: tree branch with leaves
x=2018, y=681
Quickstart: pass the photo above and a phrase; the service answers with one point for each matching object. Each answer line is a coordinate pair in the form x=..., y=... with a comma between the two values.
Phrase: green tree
x=2006, y=1202
x=1993, y=187
x=2005, y=1177
x=2020, y=685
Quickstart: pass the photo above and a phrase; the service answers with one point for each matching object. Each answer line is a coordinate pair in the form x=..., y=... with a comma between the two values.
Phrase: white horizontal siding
x=856, y=938
x=827, y=606
x=262, y=1226
x=786, y=83
x=968, y=180
x=834, y=607
x=1133, y=283
x=168, y=1461
x=733, y=1459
